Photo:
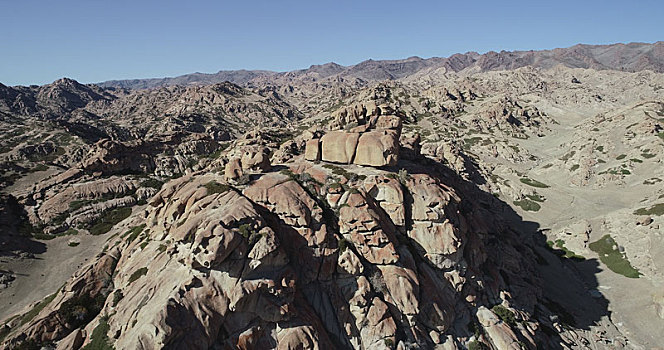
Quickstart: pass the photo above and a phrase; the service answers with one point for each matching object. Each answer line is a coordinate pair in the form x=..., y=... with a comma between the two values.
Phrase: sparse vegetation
x=574, y=167
x=99, y=339
x=505, y=315
x=527, y=205
x=215, y=187
x=108, y=219
x=621, y=157
x=152, y=183
x=534, y=183
x=476, y=345
x=137, y=274
x=134, y=232
x=117, y=296
x=657, y=209
x=608, y=252
x=80, y=310
x=559, y=249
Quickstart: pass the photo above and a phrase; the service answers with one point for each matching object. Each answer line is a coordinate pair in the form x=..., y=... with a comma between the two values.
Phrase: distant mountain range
x=630, y=57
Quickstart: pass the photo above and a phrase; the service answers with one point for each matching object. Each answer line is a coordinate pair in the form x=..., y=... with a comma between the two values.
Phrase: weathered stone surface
x=377, y=148
x=501, y=336
x=339, y=146
x=233, y=169
x=312, y=151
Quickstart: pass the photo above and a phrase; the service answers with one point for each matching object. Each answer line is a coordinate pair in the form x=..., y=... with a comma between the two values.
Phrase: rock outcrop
x=384, y=263
x=375, y=143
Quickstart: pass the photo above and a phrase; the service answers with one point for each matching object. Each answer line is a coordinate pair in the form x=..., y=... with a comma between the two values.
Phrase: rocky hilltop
x=510, y=208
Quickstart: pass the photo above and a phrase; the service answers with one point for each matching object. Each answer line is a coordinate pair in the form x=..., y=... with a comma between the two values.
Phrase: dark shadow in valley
x=568, y=287
x=15, y=231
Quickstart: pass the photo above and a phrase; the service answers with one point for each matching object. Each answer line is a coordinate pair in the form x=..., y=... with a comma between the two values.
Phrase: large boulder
x=378, y=148
x=339, y=146
x=312, y=150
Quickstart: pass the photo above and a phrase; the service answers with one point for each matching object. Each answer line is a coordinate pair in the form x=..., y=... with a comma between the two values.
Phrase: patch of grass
x=215, y=187
x=562, y=251
x=108, y=219
x=99, y=339
x=134, y=232
x=534, y=183
x=527, y=205
x=657, y=209
x=608, y=252
x=137, y=274
x=470, y=142
x=505, y=315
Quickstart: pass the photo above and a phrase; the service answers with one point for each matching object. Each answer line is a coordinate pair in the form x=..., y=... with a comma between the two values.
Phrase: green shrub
x=534, y=183
x=505, y=315
x=134, y=232
x=245, y=230
x=108, y=219
x=73, y=244
x=99, y=339
x=657, y=209
x=152, y=183
x=80, y=310
x=527, y=205
x=117, y=296
x=137, y=274
x=215, y=187
x=621, y=157
x=475, y=345
x=562, y=251
x=609, y=254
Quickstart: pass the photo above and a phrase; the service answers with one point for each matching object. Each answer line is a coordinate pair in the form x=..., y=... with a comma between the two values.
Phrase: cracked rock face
x=274, y=265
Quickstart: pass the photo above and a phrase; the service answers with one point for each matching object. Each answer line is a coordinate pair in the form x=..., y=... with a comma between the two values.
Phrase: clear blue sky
x=97, y=40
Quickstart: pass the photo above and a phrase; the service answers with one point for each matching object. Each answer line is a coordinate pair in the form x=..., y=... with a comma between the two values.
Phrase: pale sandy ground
x=607, y=209
x=39, y=277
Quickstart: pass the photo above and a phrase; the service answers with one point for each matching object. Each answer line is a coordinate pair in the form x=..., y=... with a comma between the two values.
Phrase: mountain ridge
x=629, y=57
